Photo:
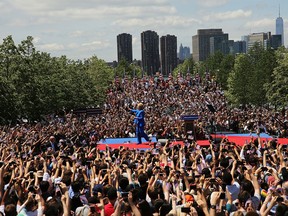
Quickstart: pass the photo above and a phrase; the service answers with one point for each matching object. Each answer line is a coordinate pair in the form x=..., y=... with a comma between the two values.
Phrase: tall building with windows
x=262, y=38
x=280, y=28
x=184, y=53
x=208, y=41
x=124, y=47
x=219, y=43
x=150, y=52
x=245, y=39
x=239, y=47
x=168, y=47
x=276, y=41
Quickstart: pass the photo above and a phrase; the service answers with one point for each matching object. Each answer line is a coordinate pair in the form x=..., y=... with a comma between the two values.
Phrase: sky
x=81, y=29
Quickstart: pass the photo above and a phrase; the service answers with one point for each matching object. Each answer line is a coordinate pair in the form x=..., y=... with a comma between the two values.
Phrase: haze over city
x=81, y=29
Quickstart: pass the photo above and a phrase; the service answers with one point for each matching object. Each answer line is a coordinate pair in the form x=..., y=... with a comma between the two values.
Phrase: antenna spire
x=279, y=10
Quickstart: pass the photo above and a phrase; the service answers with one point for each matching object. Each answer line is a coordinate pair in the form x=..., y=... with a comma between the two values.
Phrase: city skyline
x=82, y=29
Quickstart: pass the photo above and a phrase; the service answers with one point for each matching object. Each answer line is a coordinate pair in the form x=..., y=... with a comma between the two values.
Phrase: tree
x=128, y=70
x=9, y=66
x=213, y=62
x=263, y=64
x=8, y=101
x=226, y=66
x=101, y=75
x=277, y=91
x=250, y=74
x=186, y=67
x=239, y=81
x=33, y=83
x=219, y=66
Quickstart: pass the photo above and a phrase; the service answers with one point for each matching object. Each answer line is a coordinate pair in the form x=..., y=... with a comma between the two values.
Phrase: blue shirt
x=139, y=117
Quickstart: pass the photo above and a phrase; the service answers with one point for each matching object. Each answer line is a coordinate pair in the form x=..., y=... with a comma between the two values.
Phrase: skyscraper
x=204, y=39
x=124, y=47
x=239, y=47
x=219, y=43
x=168, y=46
x=184, y=53
x=279, y=27
x=150, y=52
x=276, y=41
x=262, y=38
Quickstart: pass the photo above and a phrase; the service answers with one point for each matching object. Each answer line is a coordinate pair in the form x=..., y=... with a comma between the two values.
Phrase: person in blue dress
x=140, y=123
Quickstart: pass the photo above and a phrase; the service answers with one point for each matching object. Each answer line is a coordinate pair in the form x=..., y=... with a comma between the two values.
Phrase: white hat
x=82, y=211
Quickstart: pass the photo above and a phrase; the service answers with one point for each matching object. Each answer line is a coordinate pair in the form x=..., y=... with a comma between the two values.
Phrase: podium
x=189, y=123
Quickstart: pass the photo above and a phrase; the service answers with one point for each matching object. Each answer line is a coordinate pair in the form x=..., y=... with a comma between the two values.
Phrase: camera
x=185, y=210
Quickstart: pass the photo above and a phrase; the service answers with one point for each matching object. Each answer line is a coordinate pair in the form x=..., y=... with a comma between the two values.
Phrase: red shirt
x=109, y=209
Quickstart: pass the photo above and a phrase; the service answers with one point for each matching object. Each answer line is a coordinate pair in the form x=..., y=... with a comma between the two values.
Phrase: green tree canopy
x=220, y=66
x=252, y=71
x=33, y=83
x=277, y=91
x=239, y=81
x=188, y=66
x=128, y=70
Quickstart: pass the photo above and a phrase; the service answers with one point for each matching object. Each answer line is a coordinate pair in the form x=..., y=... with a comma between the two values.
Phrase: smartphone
x=212, y=180
x=185, y=210
x=31, y=189
x=31, y=174
x=240, y=163
x=222, y=196
x=58, y=191
x=280, y=199
x=264, y=169
x=193, y=186
x=124, y=194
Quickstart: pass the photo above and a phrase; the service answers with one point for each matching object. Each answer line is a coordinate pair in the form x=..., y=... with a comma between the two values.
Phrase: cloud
x=212, y=3
x=96, y=44
x=93, y=9
x=50, y=47
x=5, y=7
x=156, y=22
x=36, y=40
x=34, y=5
x=263, y=23
x=77, y=33
x=228, y=15
x=72, y=46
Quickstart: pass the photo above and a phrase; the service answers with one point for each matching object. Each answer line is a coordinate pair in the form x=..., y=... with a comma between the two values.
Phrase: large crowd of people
x=166, y=99
x=54, y=168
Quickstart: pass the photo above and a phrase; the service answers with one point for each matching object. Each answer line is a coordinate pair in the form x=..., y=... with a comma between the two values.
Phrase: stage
x=131, y=143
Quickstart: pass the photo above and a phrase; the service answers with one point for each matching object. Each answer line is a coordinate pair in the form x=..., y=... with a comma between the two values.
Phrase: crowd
x=55, y=168
x=167, y=99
